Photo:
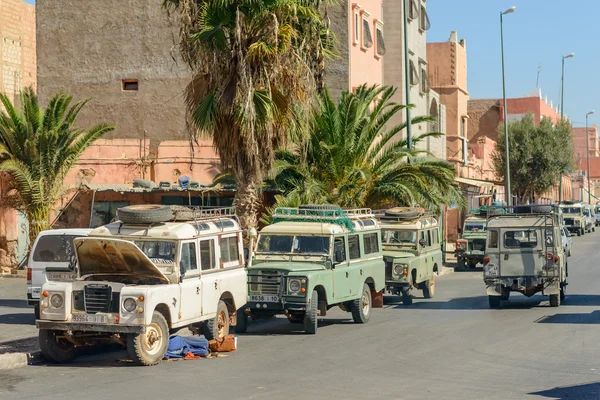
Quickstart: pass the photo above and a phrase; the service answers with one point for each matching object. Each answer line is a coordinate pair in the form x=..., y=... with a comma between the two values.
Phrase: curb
x=18, y=360
x=12, y=276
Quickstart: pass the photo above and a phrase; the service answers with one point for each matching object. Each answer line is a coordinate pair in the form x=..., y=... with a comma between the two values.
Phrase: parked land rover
x=524, y=254
x=411, y=251
x=597, y=214
x=140, y=278
x=313, y=258
x=574, y=219
x=590, y=218
x=470, y=248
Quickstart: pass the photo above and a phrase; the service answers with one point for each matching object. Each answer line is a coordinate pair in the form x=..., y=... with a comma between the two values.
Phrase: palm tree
x=37, y=149
x=352, y=158
x=255, y=64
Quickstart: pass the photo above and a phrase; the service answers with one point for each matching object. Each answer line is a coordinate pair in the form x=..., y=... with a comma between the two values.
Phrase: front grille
x=388, y=269
x=266, y=282
x=569, y=221
x=79, y=303
x=97, y=298
x=477, y=244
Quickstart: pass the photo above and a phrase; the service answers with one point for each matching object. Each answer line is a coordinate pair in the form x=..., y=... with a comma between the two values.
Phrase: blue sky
x=538, y=32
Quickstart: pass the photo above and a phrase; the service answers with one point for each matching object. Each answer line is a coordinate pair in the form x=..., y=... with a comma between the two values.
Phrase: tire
x=429, y=288
x=582, y=231
x=55, y=350
x=579, y=232
x=402, y=213
x=310, y=318
x=145, y=214
x=361, y=307
x=407, y=299
x=461, y=265
x=563, y=293
x=593, y=228
x=494, y=301
x=144, y=183
x=242, y=322
x=149, y=348
x=505, y=294
x=36, y=311
x=218, y=327
x=569, y=255
x=554, y=300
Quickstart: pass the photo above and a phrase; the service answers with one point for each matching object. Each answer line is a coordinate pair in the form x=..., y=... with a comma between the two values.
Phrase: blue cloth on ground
x=179, y=346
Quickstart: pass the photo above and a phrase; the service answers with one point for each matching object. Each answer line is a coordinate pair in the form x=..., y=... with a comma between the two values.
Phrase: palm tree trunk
x=247, y=198
x=38, y=221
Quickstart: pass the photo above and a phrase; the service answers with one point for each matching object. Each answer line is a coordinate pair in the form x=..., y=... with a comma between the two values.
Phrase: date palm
x=255, y=63
x=352, y=158
x=37, y=149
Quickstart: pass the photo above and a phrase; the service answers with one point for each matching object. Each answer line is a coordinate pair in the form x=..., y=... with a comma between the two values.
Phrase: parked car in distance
x=590, y=218
x=567, y=240
x=50, y=260
x=597, y=214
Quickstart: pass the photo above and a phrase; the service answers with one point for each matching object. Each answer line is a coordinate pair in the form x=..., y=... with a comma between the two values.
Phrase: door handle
x=197, y=290
x=216, y=285
x=506, y=256
x=347, y=275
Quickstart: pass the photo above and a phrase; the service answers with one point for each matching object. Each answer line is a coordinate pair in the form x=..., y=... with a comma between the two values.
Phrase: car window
x=188, y=257
x=229, y=249
x=493, y=239
x=354, y=247
x=523, y=239
x=207, y=254
x=429, y=238
x=371, y=243
x=54, y=248
x=339, y=246
x=158, y=251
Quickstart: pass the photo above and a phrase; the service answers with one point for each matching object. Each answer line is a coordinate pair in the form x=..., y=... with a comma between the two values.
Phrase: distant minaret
x=537, y=83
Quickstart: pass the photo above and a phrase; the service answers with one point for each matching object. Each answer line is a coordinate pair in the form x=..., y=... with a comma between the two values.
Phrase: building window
x=414, y=75
x=413, y=9
x=356, y=24
x=424, y=81
x=380, y=48
x=424, y=23
x=130, y=84
x=367, y=37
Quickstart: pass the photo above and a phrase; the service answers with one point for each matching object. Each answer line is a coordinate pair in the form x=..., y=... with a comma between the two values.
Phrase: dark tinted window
x=54, y=248
x=354, y=247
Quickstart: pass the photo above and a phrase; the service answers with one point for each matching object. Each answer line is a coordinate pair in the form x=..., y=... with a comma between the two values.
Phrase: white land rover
x=154, y=271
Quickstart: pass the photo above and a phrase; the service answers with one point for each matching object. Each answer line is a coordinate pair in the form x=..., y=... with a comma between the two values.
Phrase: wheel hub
x=221, y=322
x=152, y=339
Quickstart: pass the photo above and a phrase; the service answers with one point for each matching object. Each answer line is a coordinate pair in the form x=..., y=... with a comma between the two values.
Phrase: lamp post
x=507, y=177
x=587, y=141
x=562, y=113
x=407, y=77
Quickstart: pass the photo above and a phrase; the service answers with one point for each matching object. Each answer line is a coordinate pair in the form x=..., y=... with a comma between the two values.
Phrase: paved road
x=16, y=317
x=451, y=347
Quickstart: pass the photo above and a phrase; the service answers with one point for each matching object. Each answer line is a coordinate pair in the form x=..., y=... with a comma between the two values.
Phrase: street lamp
x=587, y=141
x=507, y=178
x=407, y=78
x=562, y=113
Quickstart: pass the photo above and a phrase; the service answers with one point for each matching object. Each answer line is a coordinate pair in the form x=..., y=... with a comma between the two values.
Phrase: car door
x=522, y=251
x=341, y=269
x=210, y=260
x=190, y=285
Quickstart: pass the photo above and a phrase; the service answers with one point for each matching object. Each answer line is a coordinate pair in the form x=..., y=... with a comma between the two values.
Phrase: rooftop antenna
x=537, y=83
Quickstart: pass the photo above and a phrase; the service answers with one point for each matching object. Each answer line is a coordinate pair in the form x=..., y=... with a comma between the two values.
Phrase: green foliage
x=351, y=157
x=538, y=155
x=38, y=148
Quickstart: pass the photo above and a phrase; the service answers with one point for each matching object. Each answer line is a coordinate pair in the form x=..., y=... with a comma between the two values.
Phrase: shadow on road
x=14, y=303
x=17, y=319
x=588, y=391
x=463, y=303
x=592, y=318
x=281, y=326
x=581, y=300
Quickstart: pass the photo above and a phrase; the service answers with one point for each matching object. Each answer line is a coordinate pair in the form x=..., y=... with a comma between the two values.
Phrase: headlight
x=56, y=301
x=295, y=285
x=130, y=305
x=401, y=269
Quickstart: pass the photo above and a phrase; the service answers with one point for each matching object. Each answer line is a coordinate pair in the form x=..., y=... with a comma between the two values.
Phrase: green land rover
x=411, y=251
x=470, y=248
x=313, y=258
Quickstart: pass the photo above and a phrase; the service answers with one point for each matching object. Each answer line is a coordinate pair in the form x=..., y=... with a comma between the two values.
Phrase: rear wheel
x=407, y=299
x=361, y=307
x=554, y=300
x=494, y=301
x=563, y=293
x=579, y=232
x=505, y=294
x=55, y=348
x=218, y=327
x=150, y=347
x=429, y=287
x=310, y=318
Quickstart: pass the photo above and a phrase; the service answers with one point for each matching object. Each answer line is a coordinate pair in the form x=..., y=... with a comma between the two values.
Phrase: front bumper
x=68, y=326
x=257, y=307
x=528, y=285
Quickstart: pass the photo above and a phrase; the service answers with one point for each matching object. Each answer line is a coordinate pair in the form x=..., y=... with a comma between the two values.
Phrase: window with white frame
x=414, y=75
x=380, y=47
x=367, y=37
x=424, y=23
x=356, y=25
x=413, y=9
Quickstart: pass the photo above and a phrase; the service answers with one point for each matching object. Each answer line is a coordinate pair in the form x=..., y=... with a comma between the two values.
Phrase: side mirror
x=422, y=242
x=181, y=271
x=339, y=256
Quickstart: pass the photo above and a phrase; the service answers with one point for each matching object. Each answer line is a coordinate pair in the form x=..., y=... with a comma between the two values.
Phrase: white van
x=49, y=261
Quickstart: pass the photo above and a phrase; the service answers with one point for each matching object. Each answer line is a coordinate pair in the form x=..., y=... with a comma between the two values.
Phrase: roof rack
x=322, y=213
x=182, y=213
x=403, y=214
x=528, y=209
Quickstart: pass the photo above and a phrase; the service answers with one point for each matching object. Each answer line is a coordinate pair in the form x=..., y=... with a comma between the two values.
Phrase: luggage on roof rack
x=403, y=213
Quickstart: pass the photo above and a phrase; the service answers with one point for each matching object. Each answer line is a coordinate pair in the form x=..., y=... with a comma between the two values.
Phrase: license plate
x=491, y=270
x=35, y=292
x=477, y=252
x=94, y=319
x=61, y=276
x=268, y=299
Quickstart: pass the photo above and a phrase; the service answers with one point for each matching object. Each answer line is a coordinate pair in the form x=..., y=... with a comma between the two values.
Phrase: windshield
x=571, y=210
x=597, y=210
x=293, y=244
x=54, y=248
x=474, y=227
x=525, y=239
x=399, y=237
x=158, y=251
x=586, y=212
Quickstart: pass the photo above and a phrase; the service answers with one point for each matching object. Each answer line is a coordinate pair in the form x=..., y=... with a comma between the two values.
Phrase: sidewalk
x=18, y=334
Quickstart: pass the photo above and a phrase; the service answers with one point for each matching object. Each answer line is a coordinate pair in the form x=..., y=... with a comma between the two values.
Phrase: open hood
x=114, y=256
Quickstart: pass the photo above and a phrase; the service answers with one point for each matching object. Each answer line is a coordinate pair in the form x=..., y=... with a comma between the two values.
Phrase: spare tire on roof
x=404, y=212
x=145, y=214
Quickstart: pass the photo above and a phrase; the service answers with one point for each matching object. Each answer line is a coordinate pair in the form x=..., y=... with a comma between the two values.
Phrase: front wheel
x=54, y=347
x=407, y=299
x=150, y=347
x=494, y=301
x=310, y=317
x=579, y=232
x=429, y=288
x=554, y=300
x=361, y=307
x=563, y=293
x=505, y=294
x=218, y=327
